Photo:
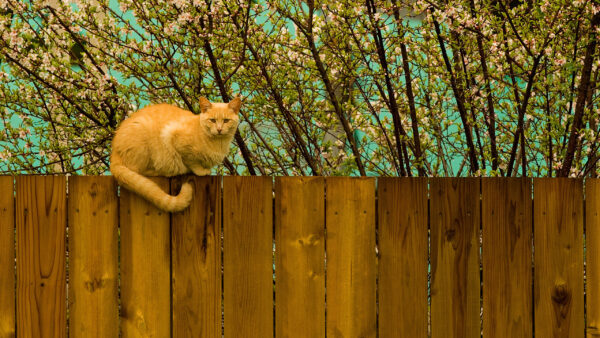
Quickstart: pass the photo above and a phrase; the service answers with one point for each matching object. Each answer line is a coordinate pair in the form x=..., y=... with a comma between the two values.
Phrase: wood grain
x=41, y=218
x=145, y=266
x=351, y=260
x=300, y=256
x=402, y=257
x=248, y=256
x=93, y=257
x=7, y=257
x=196, y=259
x=558, y=236
x=454, y=257
x=592, y=233
x=507, y=277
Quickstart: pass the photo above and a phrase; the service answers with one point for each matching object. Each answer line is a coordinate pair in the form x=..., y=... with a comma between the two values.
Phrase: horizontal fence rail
x=301, y=257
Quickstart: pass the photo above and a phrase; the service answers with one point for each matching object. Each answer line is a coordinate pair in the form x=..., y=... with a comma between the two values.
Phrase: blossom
x=301, y=91
x=177, y=3
x=184, y=17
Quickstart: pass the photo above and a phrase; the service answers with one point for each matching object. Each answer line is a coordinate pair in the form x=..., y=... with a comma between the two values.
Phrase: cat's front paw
x=201, y=171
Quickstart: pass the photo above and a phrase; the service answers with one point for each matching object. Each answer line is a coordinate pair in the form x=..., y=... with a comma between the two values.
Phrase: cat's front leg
x=200, y=171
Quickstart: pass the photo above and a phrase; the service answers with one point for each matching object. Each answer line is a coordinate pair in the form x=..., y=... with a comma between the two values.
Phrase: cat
x=164, y=140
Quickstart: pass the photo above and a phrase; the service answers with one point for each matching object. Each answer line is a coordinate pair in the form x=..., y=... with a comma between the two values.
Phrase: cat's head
x=220, y=119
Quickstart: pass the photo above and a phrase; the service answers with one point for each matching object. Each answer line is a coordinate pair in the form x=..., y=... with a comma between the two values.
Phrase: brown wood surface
x=402, y=257
x=507, y=277
x=93, y=257
x=558, y=237
x=248, y=256
x=196, y=259
x=147, y=241
x=592, y=232
x=7, y=257
x=351, y=259
x=454, y=220
x=41, y=219
x=300, y=256
x=145, y=266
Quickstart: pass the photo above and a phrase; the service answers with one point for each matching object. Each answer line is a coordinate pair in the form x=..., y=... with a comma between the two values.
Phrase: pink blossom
x=185, y=17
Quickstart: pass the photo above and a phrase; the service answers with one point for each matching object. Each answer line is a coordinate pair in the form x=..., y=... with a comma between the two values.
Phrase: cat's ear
x=235, y=104
x=204, y=104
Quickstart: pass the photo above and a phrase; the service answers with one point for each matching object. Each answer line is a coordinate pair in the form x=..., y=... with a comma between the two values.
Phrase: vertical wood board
x=558, y=243
x=41, y=218
x=248, y=256
x=300, y=256
x=7, y=257
x=592, y=233
x=455, y=257
x=351, y=260
x=196, y=255
x=145, y=266
x=507, y=257
x=403, y=262
x=93, y=257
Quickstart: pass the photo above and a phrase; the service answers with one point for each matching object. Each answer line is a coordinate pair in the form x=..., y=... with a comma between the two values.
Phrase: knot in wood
x=450, y=233
x=94, y=190
x=593, y=331
x=310, y=240
x=94, y=284
x=561, y=294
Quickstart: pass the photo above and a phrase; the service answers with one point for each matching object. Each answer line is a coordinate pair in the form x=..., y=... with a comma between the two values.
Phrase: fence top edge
x=336, y=177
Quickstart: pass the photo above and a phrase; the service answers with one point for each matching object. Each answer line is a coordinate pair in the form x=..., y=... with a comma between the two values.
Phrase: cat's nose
x=219, y=130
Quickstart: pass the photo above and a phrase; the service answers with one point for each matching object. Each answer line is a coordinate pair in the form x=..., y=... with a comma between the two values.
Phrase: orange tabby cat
x=163, y=140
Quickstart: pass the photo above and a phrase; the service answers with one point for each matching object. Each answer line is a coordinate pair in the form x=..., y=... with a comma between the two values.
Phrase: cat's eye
x=213, y=120
x=226, y=120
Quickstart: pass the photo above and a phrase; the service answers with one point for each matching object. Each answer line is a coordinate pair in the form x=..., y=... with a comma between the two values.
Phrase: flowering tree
x=428, y=88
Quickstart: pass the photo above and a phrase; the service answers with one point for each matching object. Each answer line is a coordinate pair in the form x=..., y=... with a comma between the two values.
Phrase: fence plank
x=145, y=266
x=196, y=257
x=248, y=256
x=93, y=259
x=41, y=219
x=507, y=277
x=300, y=256
x=558, y=236
x=351, y=260
x=402, y=257
x=7, y=257
x=454, y=257
x=592, y=229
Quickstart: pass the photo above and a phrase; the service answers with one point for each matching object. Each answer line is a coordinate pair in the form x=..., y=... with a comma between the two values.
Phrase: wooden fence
x=301, y=257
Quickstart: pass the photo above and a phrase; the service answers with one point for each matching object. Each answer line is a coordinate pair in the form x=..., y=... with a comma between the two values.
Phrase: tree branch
x=458, y=95
x=582, y=94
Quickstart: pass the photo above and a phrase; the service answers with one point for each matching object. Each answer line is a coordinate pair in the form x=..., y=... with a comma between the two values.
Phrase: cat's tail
x=149, y=190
